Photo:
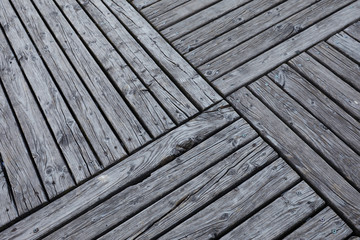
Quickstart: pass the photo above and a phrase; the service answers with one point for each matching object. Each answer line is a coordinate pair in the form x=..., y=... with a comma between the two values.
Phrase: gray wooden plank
x=347, y=69
x=8, y=210
x=195, y=194
x=161, y=7
x=286, y=50
x=324, y=225
x=164, y=89
x=333, y=188
x=269, y=38
x=223, y=24
x=50, y=164
x=346, y=44
x=315, y=133
x=67, y=132
x=245, y=31
x=354, y=30
x=201, y=18
x=275, y=219
x=103, y=140
x=130, y=131
x=131, y=170
x=143, y=103
x=354, y=238
x=324, y=109
x=234, y=206
x=25, y=185
x=182, y=73
x=140, y=4
x=345, y=95
x=172, y=16
x=126, y=203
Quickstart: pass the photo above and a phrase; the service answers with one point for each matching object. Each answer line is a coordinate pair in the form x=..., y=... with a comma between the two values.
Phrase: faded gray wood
x=24, y=182
x=201, y=18
x=334, y=188
x=138, y=96
x=167, y=93
x=285, y=212
x=286, y=50
x=333, y=86
x=126, y=203
x=198, y=192
x=315, y=133
x=140, y=4
x=354, y=30
x=346, y=44
x=348, y=70
x=325, y=225
x=223, y=24
x=131, y=170
x=161, y=7
x=233, y=207
x=324, y=109
x=177, y=14
x=52, y=168
x=126, y=125
x=196, y=88
x=269, y=38
x=354, y=238
x=69, y=137
x=245, y=31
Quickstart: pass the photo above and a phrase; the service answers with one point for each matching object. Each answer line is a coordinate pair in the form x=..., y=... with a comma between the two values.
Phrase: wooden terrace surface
x=180, y=119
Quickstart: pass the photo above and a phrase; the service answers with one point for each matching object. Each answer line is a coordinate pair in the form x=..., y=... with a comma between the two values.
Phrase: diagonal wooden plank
x=335, y=189
x=161, y=7
x=140, y=4
x=346, y=44
x=354, y=30
x=258, y=66
x=130, y=171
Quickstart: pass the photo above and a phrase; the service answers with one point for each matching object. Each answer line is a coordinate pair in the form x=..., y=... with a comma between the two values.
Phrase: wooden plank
x=195, y=194
x=138, y=95
x=329, y=113
x=346, y=44
x=105, y=143
x=324, y=225
x=167, y=93
x=315, y=133
x=50, y=164
x=348, y=70
x=245, y=31
x=161, y=7
x=25, y=184
x=333, y=188
x=201, y=18
x=132, y=170
x=233, y=207
x=135, y=198
x=132, y=134
x=172, y=16
x=140, y=4
x=269, y=38
x=286, y=50
x=275, y=219
x=69, y=137
x=196, y=88
x=223, y=24
x=354, y=238
x=328, y=82
x=354, y=30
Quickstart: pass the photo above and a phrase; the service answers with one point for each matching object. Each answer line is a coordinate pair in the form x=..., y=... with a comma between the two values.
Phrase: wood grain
x=161, y=7
x=332, y=187
x=132, y=170
x=354, y=30
x=272, y=221
x=346, y=44
x=140, y=4
x=324, y=225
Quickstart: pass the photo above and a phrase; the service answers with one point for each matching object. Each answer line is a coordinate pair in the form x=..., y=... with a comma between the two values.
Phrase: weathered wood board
x=346, y=44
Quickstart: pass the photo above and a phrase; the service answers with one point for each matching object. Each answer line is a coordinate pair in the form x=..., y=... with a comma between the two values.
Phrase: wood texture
x=140, y=4
x=135, y=198
x=160, y=7
x=202, y=94
x=286, y=50
x=346, y=44
x=197, y=193
x=126, y=125
x=333, y=188
x=166, y=92
x=49, y=162
x=217, y=217
x=272, y=221
x=325, y=225
x=323, y=108
x=132, y=170
x=354, y=30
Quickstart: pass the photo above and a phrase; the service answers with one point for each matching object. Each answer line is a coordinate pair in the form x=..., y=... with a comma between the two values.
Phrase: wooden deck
x=180, y=119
